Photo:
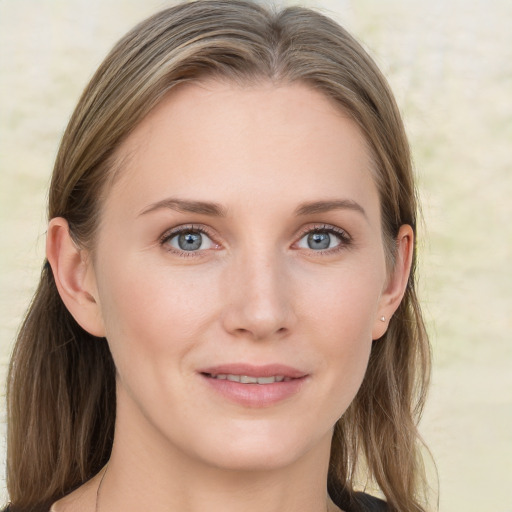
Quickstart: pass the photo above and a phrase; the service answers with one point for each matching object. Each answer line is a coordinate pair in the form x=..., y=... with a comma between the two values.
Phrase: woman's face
x=239, y=273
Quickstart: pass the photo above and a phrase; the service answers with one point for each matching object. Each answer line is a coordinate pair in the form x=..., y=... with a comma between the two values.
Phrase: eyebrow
x=216, y=210
x=183, y=205
x=326, y=206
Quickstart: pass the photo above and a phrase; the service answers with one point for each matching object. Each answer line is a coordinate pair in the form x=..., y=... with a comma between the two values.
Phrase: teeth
x=266, y=380
x=245, y=379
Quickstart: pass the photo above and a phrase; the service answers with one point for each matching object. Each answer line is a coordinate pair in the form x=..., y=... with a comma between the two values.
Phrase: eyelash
x=345, y=238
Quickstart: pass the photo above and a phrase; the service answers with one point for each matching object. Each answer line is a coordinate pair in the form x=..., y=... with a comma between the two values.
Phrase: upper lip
x=267, y=370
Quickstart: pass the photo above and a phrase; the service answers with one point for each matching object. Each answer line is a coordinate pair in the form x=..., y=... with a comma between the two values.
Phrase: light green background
x=450, y=65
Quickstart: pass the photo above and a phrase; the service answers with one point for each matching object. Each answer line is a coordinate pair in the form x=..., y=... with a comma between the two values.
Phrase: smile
x=254, y=386
x=246, y=379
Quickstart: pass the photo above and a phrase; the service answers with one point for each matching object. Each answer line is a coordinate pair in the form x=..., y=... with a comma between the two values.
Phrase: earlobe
x=74, y=277
x=397, y=283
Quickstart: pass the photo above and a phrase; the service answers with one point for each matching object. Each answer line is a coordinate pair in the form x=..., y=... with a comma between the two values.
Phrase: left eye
x=190, y=240
x=320, y=240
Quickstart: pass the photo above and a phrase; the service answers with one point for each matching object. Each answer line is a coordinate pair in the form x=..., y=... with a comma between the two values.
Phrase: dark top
x=367, y=503
x=370, y=503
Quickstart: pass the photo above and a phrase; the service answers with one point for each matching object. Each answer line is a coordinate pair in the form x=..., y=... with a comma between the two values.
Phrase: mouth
x=247, y=379
x=253, y=374
x=255, y=386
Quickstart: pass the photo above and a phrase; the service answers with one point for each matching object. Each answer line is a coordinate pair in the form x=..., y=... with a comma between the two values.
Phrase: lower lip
x=255, y=395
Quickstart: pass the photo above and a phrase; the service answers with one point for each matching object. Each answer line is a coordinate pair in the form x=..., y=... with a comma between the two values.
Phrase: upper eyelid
x=205, y=229
x=171, y=232
x=324, y=227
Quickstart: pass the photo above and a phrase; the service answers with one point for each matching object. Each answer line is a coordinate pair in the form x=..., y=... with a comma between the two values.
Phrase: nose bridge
x=258, y=302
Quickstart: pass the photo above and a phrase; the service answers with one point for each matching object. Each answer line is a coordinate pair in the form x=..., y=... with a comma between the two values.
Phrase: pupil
x=190, y=241
x=319, y=240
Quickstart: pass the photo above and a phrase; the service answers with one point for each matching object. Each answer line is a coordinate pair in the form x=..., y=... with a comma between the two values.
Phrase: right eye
x=188, y=240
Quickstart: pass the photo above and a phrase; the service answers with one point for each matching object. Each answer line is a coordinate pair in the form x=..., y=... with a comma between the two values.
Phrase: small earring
x=383, y=318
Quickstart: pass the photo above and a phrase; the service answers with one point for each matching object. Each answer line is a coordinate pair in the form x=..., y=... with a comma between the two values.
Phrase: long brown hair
x=61, y=388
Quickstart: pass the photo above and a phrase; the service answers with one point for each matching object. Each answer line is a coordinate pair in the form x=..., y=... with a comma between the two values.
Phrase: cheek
x=343, y=302
x=340, y=314
x=151, y=310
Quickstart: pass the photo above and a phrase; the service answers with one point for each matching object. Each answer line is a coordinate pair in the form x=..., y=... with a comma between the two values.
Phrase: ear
x=74, y=277
x=397, y=282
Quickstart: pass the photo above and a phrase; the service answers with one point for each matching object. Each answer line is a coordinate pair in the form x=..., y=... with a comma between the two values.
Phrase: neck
x=157, y=476
x=154, y=485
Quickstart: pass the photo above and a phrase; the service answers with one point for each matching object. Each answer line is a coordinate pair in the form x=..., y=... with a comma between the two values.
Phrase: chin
x=263, y=450
x=255, y=460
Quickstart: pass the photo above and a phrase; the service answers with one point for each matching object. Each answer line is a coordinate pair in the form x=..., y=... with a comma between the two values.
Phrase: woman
x=227, y=316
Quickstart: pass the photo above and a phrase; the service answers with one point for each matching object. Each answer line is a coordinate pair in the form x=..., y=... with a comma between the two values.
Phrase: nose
x=258, y=299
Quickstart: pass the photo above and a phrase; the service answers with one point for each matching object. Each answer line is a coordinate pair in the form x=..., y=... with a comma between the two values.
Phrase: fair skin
x=280, y=262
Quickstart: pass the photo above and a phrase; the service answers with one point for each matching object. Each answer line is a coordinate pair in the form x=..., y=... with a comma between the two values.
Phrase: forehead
x=210, y=137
